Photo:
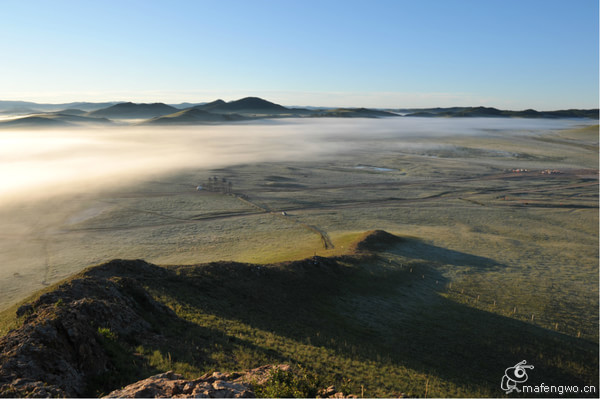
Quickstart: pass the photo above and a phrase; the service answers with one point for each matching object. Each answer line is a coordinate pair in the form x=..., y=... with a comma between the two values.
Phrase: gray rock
x=58, y=348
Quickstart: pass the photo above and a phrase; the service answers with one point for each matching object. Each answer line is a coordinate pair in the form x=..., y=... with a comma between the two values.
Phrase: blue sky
x=511, y=54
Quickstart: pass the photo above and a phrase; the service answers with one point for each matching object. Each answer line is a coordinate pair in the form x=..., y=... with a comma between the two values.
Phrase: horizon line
x=114, y=102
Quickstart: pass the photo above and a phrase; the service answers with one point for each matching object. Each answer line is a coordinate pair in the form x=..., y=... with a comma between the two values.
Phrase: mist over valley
x=394, y=229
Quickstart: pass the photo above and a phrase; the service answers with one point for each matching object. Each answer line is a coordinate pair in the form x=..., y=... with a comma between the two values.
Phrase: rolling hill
x=219, y=111
x=131, y=110
x=217, y=104
x=55, y=119
x=24, y=107
x=246, y=105
x=353, y=113
x=34, y=121
x=465, y=112
x=192, y=116
x=119, y=322
x=71, y=111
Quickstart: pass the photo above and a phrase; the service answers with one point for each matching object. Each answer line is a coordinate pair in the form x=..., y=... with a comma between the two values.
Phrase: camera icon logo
x=515, y=375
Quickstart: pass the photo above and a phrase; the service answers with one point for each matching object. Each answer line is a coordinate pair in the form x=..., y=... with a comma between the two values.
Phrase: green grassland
x=375, y=327
x=374, y=322
x=495, y=266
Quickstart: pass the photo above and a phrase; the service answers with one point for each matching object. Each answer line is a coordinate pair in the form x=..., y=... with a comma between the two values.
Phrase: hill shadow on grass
x=417, y=249
x=300, y=302
x=380, y=241
x=386, y=326
x=466, y=345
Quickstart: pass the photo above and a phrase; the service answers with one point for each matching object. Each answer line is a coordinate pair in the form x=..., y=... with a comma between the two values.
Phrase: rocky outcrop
x=215, y=385
x=59, y=348
x=71, y=339
x=332, y=392
x=171, y=385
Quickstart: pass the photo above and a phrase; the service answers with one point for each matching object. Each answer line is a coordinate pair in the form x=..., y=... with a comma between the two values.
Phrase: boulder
x=215, y=385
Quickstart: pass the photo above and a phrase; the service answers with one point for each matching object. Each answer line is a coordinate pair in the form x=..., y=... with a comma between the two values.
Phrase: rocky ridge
x=59, y=347
x=62, y=346
x=215, y=385
x=67, y=338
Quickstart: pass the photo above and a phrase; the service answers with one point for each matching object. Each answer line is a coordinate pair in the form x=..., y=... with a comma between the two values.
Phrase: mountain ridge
x=244, y=105
x=480, y=111
x=192, y=116
x=129, y=110
x=56, y=119
x=247, y=108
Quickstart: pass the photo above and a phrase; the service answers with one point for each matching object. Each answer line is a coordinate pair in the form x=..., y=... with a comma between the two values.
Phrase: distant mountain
x=479, y=111
x=86, y=106
x=6, y=104
x=458, y=112
x=573, y=113
x=254, y=104
x=248, y=105
x=34, y=121
x=431, y=111
x=185, y=105
x=18, y=111
x=19, y=107
x=245, y=108
x=26, y=107
x=193, y=116
x=131, y=110
x=423, y=114
x=53, y=119
x=463, y=112
x=217, y=104
x=72, y=111
x=72, y=116
x=353, y=113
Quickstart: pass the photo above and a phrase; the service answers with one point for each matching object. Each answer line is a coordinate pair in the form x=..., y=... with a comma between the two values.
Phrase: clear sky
x=511, y=54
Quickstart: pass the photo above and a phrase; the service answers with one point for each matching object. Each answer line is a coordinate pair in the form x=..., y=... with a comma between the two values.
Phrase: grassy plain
x=497, y=265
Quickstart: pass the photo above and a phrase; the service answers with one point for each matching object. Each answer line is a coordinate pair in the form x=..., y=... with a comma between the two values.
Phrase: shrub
x=289, y=384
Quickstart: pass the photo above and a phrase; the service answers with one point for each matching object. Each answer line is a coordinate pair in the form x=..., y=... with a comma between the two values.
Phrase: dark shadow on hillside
x=417, y=249
x=465, y=344
x=81, y=337
x=442, y=338
x=170, y=333
x=414, y=248
x=173, y=341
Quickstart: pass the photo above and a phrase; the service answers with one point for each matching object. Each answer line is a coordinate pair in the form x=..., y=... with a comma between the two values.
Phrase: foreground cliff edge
x=359, y=322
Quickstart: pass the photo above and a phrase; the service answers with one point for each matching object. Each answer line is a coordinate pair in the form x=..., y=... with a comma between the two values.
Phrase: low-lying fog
x=39, y=163
x=54, y=178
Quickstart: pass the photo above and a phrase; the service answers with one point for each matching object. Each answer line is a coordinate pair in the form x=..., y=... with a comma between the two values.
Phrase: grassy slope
x=366, y=322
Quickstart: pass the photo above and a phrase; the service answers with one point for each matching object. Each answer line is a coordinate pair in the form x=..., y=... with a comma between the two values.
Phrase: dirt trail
x=325, y=240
